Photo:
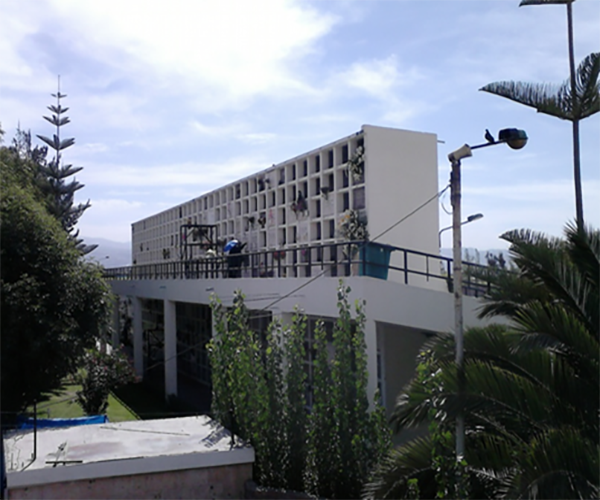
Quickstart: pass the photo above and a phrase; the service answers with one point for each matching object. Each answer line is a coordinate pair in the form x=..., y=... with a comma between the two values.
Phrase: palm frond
x=561, y=463
x=554, y=328
x=491, y=452
x=507, y=294
x=546, y=98
x=412, y=460
x=584, y=251
x=547, y=263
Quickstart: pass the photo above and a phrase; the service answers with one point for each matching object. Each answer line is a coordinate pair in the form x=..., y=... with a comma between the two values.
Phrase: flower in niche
x=353, y=226
x=356, y=164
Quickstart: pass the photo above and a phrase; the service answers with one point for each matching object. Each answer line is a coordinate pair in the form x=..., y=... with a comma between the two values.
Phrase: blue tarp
x=42, y=423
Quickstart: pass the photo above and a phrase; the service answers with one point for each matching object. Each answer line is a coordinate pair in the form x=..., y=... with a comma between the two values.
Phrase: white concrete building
x=291, y=218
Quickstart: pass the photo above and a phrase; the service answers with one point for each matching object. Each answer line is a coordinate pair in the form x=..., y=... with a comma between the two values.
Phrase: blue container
x=375, y=260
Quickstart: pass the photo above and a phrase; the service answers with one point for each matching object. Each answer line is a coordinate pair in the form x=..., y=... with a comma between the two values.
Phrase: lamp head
x=544, y=2
x=514, y=137
x=474, y=217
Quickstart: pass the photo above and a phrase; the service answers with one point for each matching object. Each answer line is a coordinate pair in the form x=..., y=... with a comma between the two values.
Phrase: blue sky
x=169, y=100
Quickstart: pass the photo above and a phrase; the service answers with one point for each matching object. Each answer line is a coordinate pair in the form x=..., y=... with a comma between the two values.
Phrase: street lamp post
x=470, y=218
x=516, y=139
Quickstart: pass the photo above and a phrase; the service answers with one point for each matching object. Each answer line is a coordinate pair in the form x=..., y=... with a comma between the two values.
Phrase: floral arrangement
x=300, y=204
x=356, y=164
x=279, y=254
x=353, y=226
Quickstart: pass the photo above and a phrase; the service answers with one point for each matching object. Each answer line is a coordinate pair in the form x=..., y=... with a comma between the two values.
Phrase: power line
x=449, y=212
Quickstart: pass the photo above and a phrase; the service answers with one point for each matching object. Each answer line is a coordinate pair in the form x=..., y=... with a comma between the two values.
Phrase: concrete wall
x=400, y=175
x=410, y=308
x=400, y=348
x=212, y=482
x=387, y=301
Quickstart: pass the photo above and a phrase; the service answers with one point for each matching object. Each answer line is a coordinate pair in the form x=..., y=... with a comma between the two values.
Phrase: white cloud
x=376, y=77
x=104, y=219
x=197, y=176
x=385, y=82
x=535, y=192
x=236, y=48
x=93, y=148
x=233, y=130
x=257, y=137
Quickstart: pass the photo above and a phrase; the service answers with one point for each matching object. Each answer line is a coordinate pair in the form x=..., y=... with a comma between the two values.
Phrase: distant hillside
x=118, y=253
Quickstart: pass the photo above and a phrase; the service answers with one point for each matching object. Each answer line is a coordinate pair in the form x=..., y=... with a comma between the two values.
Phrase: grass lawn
x=134, y=401
x=146, y=403
x=64, y=405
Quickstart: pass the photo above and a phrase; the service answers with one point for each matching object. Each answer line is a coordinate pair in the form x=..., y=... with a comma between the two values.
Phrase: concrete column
x=170, y=348
x=138, y=337
x=371, y=345
x=116, y=323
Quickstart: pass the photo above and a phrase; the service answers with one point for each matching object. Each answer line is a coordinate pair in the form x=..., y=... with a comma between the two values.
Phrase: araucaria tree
x=259, y=392
x=532, y=387
x=62, y=192
x=576, y=99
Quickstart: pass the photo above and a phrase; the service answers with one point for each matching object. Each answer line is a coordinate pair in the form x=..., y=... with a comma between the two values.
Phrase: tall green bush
x=346, y=439
x=248, y=383
x=259, y=392
x=102, y=373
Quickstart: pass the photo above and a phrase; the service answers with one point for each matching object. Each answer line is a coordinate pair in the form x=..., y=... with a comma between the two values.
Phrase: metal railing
x=355, y=258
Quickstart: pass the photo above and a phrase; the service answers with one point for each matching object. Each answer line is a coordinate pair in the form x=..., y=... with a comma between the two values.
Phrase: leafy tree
x=533, y=386
x=24, y=149
x=574, y=100
x=53, y=304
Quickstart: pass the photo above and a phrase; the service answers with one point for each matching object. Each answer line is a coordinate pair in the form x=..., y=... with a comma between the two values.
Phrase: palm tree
x=573, y=100
x=533, y=385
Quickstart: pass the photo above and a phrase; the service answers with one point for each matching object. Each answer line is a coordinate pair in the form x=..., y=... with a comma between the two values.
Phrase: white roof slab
x=119, y=449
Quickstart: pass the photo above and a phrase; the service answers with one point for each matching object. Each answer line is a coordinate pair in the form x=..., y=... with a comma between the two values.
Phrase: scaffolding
x=201, y=236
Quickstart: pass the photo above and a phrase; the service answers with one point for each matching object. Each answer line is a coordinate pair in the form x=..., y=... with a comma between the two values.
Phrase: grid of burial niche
x=291, y=206
x=312, y=192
